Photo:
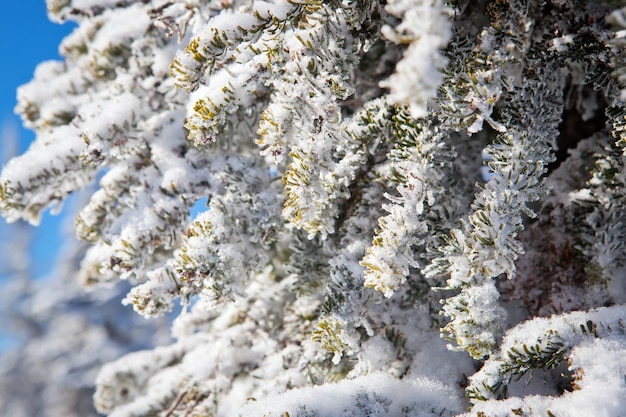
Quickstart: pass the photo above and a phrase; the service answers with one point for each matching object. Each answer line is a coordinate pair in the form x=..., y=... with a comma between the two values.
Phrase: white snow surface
x=372, y=395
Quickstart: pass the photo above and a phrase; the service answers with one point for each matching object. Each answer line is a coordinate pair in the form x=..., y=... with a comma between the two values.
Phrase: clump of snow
x=372, y=395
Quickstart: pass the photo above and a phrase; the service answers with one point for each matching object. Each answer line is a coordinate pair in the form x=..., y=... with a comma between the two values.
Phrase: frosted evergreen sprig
x=218, y=356
x=488, y=245
x=41, y=114
x=219, y=100
x=123, y=251
x=91, y=139
x=605, y=197
x=118, y=191
x=475, y=83
x=307, y=66
x=134, y=220
x=228, y=63
x=605, y=187
x=618, y=44
x=156, y=295
x=346, y=300
x=419, y=153
x=140, y=141
x=226, y=36
x=56, y=173
x=312, y=195
x=227, y=244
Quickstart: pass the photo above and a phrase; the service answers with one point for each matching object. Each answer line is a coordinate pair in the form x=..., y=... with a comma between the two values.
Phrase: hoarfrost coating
x=411, y=206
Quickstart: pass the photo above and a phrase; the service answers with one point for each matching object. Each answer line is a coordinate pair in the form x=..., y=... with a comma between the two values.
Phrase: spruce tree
x=377, y=174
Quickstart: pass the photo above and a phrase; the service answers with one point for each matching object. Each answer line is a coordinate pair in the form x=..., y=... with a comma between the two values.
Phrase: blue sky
x=28, y=37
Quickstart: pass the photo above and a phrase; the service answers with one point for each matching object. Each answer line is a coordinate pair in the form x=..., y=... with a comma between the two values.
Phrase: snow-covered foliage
x=377, y=174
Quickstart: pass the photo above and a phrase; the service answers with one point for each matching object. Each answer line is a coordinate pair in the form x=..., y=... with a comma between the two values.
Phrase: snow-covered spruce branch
x=589, y=341
x=607, y=219
x=226, y=36
x=324, y=156
x=245, y=350
x=292, y=49
x=475, y=83
x=226, y=245
x=605, y=193
x=228, y=63
x=487, y=247
x=25, y=193
x=346, y=300
x=108, y=121
x=418, y=163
